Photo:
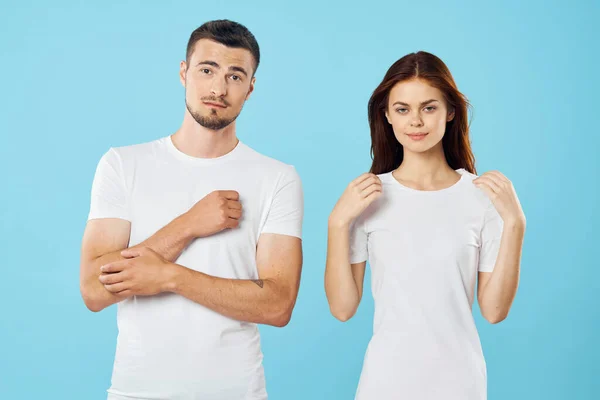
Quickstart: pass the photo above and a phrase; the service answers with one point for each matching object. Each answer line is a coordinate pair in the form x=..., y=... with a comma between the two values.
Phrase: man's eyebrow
x=208, y=62
x=423, y=103
x=216, y=65
x=238, y=69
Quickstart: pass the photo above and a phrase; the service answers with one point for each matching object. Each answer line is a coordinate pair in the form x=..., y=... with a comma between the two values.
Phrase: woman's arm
x=496, y=290
x=344, y=281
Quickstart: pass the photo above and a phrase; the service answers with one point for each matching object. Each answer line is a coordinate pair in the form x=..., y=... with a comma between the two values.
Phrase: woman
x=429, y=228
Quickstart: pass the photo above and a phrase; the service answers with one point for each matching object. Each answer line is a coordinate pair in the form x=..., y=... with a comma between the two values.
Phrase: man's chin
x=215, y=124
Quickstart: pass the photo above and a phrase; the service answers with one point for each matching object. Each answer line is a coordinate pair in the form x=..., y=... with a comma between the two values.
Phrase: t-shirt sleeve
x=491, y=233
x=109, y=193
x=287, y=208
x=358, y=241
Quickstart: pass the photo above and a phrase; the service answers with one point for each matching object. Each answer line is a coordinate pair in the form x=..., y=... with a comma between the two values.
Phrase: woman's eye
x=401, y=110
x=429, y=109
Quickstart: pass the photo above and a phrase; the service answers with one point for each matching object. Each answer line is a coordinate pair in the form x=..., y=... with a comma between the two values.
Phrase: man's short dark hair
x=228, y=33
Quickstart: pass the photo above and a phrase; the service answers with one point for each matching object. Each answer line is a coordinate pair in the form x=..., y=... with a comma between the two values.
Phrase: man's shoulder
x=266, y=162
x=138, y=149
x=127, y=156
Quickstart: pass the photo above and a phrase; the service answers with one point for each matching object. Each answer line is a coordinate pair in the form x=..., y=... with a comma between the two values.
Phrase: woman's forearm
x=500, y=290
x=340, y=286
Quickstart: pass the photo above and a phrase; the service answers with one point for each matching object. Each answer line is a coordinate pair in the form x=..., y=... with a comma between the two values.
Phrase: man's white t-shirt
x=425, y=249
x=170, y=347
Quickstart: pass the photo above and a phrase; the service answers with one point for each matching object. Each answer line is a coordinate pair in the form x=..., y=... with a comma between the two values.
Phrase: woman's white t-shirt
x=425, y=249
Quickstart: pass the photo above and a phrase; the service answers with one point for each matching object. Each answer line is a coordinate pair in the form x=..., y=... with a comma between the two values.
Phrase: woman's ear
x=387, y=116
x=450, y=116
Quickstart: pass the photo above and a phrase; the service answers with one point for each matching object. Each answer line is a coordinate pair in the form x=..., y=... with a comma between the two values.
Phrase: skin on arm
x=269, y=299
x=344, y=281
x=105, y=239
x=496, y=290
x=358, y=277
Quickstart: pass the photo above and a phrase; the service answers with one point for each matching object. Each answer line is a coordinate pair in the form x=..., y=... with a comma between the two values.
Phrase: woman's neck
x=426, y=171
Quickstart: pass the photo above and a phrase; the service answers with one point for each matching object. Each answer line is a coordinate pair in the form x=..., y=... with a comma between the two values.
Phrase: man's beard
x=212, y=121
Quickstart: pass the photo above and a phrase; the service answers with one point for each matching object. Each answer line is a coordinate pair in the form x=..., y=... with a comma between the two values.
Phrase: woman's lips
x=417, y=136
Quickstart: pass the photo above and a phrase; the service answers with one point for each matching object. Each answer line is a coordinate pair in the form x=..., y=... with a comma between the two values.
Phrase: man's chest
x=156, y=200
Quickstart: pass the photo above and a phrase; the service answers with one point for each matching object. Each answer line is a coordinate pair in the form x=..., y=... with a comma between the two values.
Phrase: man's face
x=218, y=80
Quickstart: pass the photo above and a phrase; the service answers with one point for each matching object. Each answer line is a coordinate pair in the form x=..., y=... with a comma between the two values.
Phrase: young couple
x=196, y=236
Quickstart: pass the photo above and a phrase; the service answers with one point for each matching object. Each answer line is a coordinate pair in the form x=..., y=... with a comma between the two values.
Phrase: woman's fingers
x=375, y=187
x=368, y=182
x=490, y=183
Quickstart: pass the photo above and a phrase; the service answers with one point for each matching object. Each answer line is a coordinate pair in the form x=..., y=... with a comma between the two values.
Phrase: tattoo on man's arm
x=259, y=282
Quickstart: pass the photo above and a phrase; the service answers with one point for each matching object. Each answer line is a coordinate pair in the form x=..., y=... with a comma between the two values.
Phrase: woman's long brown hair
x=386, y=151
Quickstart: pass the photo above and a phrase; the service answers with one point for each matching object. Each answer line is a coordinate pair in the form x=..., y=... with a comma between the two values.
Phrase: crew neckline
x=397, y=183
x=200, y=160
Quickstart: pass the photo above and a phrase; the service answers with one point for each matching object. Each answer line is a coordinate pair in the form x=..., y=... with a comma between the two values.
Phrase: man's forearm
x=169, y=242
x=258, y=301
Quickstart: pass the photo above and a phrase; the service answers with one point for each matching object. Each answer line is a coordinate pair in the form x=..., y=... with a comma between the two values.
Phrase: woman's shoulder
x=471, y=191
x=466, y=174
x=386, y=178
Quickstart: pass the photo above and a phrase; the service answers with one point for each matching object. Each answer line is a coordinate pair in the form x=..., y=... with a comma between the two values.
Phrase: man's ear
x=182, y=72
x=251, y=89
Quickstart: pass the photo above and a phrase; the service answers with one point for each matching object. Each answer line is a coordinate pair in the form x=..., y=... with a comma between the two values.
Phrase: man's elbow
x=281, y=320
x=90, y=301
x=92, y=305
x=282, y=315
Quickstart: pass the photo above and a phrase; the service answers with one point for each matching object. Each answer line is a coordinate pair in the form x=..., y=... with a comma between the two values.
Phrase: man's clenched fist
x=217, y=211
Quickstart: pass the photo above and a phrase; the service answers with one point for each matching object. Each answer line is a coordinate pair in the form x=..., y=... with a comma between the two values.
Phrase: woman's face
x=418, y=114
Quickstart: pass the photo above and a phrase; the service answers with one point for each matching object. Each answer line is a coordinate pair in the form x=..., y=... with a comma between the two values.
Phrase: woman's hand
x=502, y=194
x=356, y=198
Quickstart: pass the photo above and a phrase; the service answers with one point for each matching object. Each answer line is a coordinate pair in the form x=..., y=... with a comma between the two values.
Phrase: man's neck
x=197, y=141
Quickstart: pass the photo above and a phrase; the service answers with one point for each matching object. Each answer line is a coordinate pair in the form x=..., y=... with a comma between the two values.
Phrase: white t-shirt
x=170, y=347
x=425, y=248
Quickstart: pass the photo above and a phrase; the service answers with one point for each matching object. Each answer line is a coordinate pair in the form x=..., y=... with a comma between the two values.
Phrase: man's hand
x=217, y=211
x=142, y=273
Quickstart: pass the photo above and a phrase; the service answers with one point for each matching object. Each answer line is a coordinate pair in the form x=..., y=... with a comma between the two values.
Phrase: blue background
x=79, y=77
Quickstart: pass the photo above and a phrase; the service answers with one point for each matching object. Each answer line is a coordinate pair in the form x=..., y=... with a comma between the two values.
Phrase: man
x=197, y=238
